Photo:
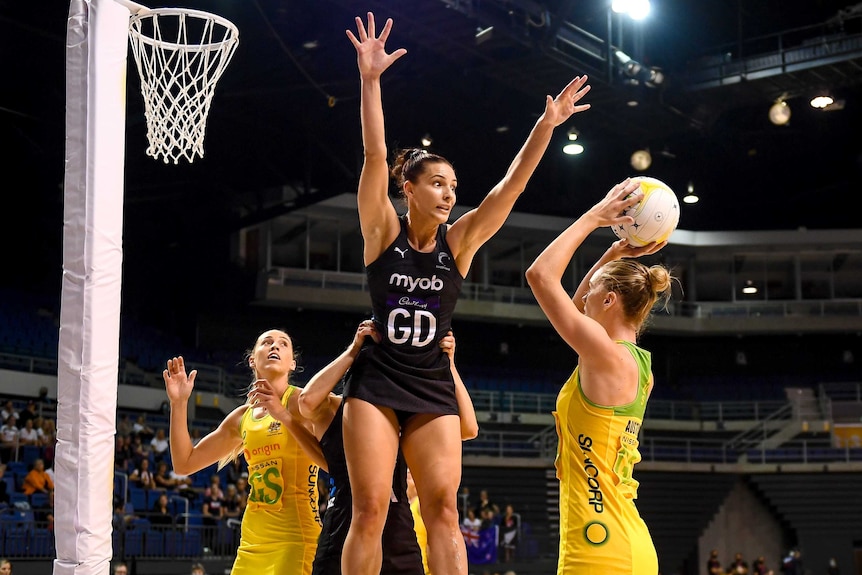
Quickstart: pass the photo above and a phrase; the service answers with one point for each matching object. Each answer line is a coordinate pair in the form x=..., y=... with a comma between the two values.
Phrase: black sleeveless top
x=413, y=297
x=401, y=553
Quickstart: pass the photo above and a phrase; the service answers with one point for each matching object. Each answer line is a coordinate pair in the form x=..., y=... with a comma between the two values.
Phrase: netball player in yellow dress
x=281, y=522
x=600, y=408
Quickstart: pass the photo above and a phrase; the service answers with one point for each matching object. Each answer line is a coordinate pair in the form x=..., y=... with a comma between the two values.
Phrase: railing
x=355, y=281
x=762, y=430
x=505, y=443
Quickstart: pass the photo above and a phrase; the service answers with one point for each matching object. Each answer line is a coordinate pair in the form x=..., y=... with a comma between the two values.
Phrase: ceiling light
x=484, y=34
x=573, y=149
x=636, y=9
x=572, y=134
x=821, y=101
x=690, y=197
x=749, y=288
x=426, y=140
x=641, y=160
x=779, y=113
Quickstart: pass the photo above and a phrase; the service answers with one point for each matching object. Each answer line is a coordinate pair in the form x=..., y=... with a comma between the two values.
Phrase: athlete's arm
x=377, y=217
x=475, y=227
x=187, y=458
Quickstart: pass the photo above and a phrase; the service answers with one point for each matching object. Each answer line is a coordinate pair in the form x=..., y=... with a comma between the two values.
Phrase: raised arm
x=475, y=227
x=377, y=218
x=545, y=274
x=469, y=423
x=316, y=401
x=187, y=458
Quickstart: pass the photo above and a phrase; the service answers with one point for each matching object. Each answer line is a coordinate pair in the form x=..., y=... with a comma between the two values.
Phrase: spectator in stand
x=488, y=518
x=486, y=503
x=49, y=440
x=142, y=428
x=233, y=504
x=9, y=410
x=472, y=522
x=4, y=495
x=121, y=569
x=713, y=565
x=140, y=450
x=832, y=568
x=37, y=479
x=163, y=479
x=9, y=439
x=198, y=569
x=28, y=414
x=242, y=486
x=214, y=488
x=44, y=515
x=509, y=528
x=183, y=485
x=792, y=564
x=212, y=510
x=738, y=566
x=5, y=567
x=143, y=476
x=123, y=455
x=464, y=501
x=160, y=516
x=124, y=426
x=159, y=444
x=27, y=434
x=759, y=567
x=234, y=470
x=121, y=520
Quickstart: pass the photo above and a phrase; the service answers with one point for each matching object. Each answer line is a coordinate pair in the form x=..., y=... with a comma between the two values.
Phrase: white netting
x=180, y=54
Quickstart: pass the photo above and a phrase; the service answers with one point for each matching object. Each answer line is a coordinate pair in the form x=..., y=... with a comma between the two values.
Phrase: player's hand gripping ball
x=656, y=215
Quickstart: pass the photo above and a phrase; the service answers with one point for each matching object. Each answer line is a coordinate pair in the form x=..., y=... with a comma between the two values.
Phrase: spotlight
x=822, y=101
x=636, y=9
x=779, y=113
x=749, y=288
x=641, y=160
x=573, y=148
x=652, y=77
x=690, y=197
x=426, y=140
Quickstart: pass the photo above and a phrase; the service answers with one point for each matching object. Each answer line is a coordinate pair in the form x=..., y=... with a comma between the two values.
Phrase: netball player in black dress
x=323, y=408
x=400, y=393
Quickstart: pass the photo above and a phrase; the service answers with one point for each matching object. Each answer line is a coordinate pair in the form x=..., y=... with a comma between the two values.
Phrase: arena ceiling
x=283, y=131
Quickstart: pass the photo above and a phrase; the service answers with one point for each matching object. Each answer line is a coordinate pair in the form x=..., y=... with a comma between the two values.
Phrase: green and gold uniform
x=601, y=531
x=281, y=523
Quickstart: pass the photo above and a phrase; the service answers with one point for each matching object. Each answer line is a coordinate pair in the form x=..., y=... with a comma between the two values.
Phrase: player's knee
x=440, y=510
x=369, y=514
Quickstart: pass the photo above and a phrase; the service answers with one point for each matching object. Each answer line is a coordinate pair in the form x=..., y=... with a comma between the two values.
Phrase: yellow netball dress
x=421, y=533
x=281, y=523
x=601, y=531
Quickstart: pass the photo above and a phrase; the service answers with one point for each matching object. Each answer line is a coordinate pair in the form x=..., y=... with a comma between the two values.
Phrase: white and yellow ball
x=656, y=215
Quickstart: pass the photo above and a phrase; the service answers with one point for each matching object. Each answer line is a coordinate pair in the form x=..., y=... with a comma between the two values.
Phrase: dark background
x=272, y=125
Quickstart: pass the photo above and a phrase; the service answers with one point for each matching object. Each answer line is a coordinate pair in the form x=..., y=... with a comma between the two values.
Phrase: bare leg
x=432, y=447
x=371, y=446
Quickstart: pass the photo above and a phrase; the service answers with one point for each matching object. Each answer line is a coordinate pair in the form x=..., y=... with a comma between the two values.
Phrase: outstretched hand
x=565, y=105
x=371, y=53
x=178, y=385
x=609, y=211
